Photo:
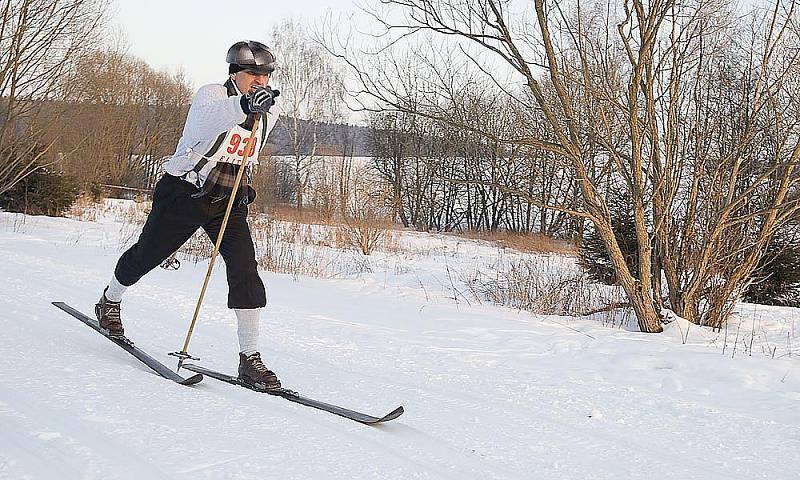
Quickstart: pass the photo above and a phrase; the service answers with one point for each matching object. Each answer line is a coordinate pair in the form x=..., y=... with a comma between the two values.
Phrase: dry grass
x=293, y=248
x=548, y=285
x=291, y=214
x=525, y=242
x=307, y=244
x=281, y=247
x=522, y=242
x=536, y=284
x=85, y=208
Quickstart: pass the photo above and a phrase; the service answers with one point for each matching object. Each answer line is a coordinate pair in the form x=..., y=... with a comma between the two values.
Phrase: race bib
x=235, y=145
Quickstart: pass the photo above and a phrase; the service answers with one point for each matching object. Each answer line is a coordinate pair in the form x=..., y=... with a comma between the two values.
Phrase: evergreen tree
x=777, y=279
x=43, y=192
x=594, y=257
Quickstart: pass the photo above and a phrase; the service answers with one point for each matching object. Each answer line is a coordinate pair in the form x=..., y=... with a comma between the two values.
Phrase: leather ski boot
x=253, y=372
x=107, y=313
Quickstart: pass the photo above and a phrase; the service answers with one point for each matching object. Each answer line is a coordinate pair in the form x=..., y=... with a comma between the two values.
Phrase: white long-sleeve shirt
x=212, y=112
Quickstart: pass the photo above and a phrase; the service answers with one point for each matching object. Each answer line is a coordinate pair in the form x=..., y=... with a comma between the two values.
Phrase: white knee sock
x=115, y=290
x=248, y=319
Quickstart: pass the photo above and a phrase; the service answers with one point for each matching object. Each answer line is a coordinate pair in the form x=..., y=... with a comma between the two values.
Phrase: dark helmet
x=251, y=56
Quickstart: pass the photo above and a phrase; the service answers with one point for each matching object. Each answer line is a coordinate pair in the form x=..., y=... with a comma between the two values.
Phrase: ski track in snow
x=490, y=393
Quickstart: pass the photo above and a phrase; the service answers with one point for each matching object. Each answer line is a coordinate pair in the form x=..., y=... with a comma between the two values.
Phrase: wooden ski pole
x=183, y=355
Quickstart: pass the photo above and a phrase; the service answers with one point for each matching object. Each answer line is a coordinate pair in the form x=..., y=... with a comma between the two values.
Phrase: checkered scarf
x=220, y=181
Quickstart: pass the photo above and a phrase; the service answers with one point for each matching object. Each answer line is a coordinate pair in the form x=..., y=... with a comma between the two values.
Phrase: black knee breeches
x=175, y=216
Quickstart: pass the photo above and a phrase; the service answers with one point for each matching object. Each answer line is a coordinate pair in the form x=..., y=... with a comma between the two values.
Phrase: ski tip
x=395, y=413
x=390, y=416
x=194, y=379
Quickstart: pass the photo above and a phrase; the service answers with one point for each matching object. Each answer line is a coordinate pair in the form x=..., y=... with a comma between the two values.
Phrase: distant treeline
x=340, y=138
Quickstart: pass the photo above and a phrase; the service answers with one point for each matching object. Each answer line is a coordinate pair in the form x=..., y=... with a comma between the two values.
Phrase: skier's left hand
x=262, y=99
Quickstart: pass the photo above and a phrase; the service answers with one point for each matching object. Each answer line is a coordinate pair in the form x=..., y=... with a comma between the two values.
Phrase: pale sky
x=195, y=35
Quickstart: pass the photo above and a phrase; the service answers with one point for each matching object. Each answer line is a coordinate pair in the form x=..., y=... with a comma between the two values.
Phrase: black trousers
x=175, y=216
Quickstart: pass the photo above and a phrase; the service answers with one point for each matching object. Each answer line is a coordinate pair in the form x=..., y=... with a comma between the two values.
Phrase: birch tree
x=311, y=90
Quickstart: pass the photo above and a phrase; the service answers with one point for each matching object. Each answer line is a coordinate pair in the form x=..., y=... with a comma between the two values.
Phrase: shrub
x=363, y=233
x=43, y=192
x=777, y=278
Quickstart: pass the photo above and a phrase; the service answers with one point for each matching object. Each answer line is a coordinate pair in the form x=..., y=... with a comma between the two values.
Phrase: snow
x=489, y=392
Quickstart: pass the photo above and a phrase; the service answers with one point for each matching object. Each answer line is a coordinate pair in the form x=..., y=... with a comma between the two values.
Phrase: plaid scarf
x=220, y=181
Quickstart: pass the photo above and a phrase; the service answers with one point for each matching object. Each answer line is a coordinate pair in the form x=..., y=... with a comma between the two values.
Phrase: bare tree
x=311, y=94
x=40, y=42
x=672, y=106
x=472, y=179
x=125, y=118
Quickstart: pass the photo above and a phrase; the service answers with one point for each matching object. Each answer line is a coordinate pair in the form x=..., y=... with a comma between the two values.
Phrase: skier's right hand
x=261, y=99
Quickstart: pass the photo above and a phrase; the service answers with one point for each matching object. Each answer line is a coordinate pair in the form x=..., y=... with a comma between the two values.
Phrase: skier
x=194, y=192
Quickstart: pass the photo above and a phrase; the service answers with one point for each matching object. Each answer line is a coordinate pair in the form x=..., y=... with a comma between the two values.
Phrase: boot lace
x=257, y=364
x=112, y=311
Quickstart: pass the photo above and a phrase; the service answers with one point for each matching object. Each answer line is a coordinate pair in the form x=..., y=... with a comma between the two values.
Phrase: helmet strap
x=233, y=79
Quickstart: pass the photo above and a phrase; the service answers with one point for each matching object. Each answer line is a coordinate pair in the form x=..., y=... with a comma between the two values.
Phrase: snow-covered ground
x=489, y=392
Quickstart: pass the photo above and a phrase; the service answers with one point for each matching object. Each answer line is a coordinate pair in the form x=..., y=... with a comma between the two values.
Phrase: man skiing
x=194, y=192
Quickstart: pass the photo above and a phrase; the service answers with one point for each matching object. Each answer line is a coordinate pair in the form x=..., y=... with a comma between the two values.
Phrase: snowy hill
x=489, y=392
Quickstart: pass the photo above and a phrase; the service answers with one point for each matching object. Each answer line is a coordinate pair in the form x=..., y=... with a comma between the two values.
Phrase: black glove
x=260, y=101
